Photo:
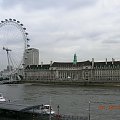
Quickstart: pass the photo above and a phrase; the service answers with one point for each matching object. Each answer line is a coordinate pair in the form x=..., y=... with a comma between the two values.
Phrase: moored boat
x=2, y=99
x=47, y=109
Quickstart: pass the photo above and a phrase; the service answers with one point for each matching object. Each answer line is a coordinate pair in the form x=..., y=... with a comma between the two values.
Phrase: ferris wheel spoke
x=13, y=36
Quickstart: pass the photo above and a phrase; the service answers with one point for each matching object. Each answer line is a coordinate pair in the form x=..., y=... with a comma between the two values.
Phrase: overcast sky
x=60, y=28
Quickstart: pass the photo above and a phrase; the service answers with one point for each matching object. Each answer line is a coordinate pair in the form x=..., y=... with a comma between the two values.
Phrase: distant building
x=68, y=71
x=31, y=57
x=39, y=73
x=79, y=72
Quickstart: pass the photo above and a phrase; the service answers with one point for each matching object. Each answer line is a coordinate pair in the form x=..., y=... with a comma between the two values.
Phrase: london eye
x=13, y=43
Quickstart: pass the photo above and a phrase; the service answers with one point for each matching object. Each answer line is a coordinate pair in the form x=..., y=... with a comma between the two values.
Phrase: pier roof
x=17, y=107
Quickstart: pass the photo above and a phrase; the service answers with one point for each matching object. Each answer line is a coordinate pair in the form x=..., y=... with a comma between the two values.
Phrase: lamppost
x=89, y=111
x=58, y=107
x=50, y=113
x=50, y=110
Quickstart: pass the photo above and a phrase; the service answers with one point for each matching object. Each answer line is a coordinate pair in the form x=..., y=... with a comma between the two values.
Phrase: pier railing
x=70, y=117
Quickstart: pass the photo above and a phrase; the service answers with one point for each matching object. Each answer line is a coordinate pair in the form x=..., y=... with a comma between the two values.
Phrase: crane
x=8, y=58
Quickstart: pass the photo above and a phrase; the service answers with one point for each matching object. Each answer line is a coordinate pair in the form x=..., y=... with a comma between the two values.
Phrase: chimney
x=92, y=62
x=41, y=64
x=51, y=63
x=112, y=60
x=106, y=61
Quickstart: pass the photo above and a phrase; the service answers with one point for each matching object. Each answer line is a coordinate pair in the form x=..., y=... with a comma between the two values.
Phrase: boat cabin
x=2, y=99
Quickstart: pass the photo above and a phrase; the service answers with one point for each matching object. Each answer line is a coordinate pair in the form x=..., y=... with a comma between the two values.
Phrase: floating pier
x=11, y=111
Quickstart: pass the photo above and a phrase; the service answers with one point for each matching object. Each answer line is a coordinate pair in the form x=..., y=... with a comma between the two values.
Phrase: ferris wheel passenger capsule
x=14, y=19
x=21, y=24
x=18, y=21
x=28, y=45
x=6, y=19
x=10, y=19
x=24, y=28
x=28, y=39
x=26, y=33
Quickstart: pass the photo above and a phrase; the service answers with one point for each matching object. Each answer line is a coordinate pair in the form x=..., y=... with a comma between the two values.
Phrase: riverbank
x=72, y=100
x=70, y=83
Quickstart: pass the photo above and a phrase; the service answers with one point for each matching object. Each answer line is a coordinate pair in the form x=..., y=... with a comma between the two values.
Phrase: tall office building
x=31, y=57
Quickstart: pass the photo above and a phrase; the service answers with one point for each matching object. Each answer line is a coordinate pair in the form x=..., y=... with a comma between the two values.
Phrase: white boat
x=43, y=109
x=47, y=109
x=2, y=99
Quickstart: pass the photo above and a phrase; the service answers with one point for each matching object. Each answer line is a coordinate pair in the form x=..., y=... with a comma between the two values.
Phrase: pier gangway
x=71, y=117
x=12, y=111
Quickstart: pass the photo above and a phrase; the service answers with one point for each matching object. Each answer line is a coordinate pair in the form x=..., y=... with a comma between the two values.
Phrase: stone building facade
x=87, y=71
x=39, y=73
x=106, y=72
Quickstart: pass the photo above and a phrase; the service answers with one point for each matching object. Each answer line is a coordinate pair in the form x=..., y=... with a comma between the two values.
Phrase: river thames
x=104, y=101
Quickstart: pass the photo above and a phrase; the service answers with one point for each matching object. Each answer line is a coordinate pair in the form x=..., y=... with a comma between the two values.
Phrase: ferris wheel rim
x=22, y=29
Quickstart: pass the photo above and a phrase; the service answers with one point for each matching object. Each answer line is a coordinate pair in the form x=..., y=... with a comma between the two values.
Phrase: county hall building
x=75, y=72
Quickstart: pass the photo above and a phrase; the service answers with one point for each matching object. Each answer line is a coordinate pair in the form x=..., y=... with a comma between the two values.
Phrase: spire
x=75, y=59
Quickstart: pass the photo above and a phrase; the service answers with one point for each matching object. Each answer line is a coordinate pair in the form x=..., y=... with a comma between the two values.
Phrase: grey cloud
x=113, y=38
x=111, y=41
x=41, y=4
x=58, y=28
x=93, y=35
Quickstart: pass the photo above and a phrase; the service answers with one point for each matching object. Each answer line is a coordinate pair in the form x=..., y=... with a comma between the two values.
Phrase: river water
x=104, y=101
